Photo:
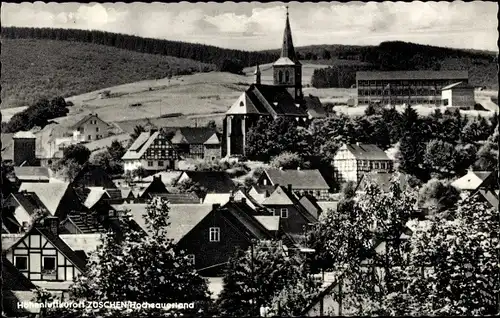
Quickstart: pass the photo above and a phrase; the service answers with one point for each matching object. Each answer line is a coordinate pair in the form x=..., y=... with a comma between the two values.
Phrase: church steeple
x=257, y=74
x=287, y=50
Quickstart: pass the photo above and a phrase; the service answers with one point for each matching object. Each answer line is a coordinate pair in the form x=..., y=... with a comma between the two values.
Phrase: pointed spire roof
x=288, y=50
x=257, y=70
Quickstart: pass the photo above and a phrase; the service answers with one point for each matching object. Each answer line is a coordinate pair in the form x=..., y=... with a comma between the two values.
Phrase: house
x=120, y=195
x=295, y=219
x=19, y=209
x=284, y=98
x=59, y=197
x=89, y=128
x=44, y=258
x=211, y=181
x=32, y=174
x=302, y=181
x=474, y=180
x=93, y=176
x=145, y=190
x=197, y=143
x=382, y=180
x=459, y=94
x=151, y=151
x=351, y=161
x=210, y=234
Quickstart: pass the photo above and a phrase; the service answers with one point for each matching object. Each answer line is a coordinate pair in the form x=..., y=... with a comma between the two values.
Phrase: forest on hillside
x=198, y=52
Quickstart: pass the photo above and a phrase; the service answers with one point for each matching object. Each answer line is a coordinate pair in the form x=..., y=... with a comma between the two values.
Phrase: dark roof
x=243, y=214
x=12, y=278
x=299, y=179
x=285, y=103
x=383, y=180
x=288, y=50
x=212, y=181
x=193, y=135
x=30, y=202
x=308, y=201
x=265, y=188
x=490, y=196
x=367, y=152
x=32, y=173
x=314, y=107
x=51, y=194
x=413, y=75
x=180, y=198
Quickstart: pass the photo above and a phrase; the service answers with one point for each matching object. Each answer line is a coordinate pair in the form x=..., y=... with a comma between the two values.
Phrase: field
x=34, y=69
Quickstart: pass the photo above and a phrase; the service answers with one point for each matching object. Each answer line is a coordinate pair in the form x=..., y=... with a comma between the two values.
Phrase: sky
x=259, y=26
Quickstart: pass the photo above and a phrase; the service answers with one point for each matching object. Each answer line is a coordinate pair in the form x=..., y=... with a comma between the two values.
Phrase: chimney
x=215, y=206
x=289, y=187
x=231, y=196
x=52, y=224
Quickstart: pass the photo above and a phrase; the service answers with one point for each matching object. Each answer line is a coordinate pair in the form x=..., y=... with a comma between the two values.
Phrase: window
x=376, y=165
x=284, y=213
x=160, y=163
x=190, y=258
x=318, y=193
x=287, y=76
x=89, y=137
x=97, y=129
x=150, y=163
x=280, y=76
x=214, y=234
x=111, y=213
x=49, y=264
x=21, y=262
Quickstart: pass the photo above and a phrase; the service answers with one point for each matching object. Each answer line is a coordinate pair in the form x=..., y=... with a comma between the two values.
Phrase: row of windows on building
x=406, y=100
x=431, y=83
x=159, y=152
x=398, y=92
x=82, y=129
x=360, y=164
x=280, y=76
x=48, y=264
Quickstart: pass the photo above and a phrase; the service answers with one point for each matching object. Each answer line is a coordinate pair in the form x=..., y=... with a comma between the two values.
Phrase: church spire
x=287, y=50
x=257, y=74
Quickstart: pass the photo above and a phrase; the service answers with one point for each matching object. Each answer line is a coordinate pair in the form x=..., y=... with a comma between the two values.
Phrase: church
x=284, y=98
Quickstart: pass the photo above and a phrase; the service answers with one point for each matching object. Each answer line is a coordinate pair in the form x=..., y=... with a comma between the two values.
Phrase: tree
x=189, y=186
x=411, y=147
x=212, y=124
x=488, y=154
x=137, y=131
x=256, y=278
x=131, y=266
x=232, y=66
x=67, y=169
x=437, y=196
x=440, y=157
x=116, y=150
x=370, y=110
x=326, y=55
x=348, y=190
x=461, y=254
x=287, y=160
x=77, y=153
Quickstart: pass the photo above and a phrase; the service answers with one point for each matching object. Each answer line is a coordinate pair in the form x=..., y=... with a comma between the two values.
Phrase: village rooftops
x=194, y=135
x=471, y=181
x=50, y=194
x=32, y=173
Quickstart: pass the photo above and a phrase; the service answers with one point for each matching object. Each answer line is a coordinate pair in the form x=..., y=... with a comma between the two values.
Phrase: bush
x=287, y=160
x=438, y=195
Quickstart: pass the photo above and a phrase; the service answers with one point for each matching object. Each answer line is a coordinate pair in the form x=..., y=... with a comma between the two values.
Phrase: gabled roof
x=311, y=205
x=457, y=85
x=244, y=105
x=328, y=205
x=94, y=195
x=383, y=180
x=167, y=177
x=57, y=242
x=277, y=98
x=278, y=197
x=50, y=194
x=182, y=217
x=30, y=202
x=180, y=198
x=192, y=135
x=243, y=214
x=12, y=278
x=287, y=49
x=271, y=223
x=220, y=198
x=239, y=195
x=314, y=107
x=215, y=139
x=413, y=75
x=367, y=152
x=299, y=179
x=142, y=144
x=212, y=181
x=82, y=242
x=32, y=173
x=87, y=118
x=471, y=181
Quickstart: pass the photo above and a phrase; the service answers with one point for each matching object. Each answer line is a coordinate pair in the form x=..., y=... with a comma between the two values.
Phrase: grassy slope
x=32, y=69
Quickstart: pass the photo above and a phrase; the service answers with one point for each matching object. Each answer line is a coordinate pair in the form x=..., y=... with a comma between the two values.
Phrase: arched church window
x=287, y=76
x=280, y=76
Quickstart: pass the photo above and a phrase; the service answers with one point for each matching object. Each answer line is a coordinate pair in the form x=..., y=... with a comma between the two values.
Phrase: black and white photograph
x=253, y=159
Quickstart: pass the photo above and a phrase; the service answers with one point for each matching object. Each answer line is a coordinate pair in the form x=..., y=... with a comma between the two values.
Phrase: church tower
x=287, y=70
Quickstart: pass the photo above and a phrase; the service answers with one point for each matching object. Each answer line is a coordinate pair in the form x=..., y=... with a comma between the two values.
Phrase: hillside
x=34, y=69
x=397, y=55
